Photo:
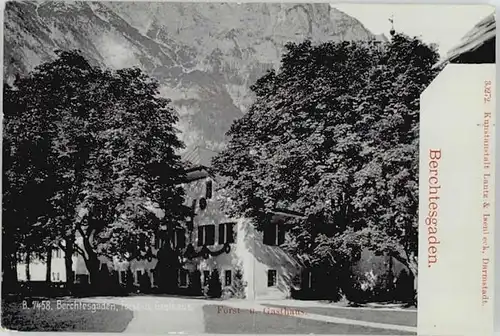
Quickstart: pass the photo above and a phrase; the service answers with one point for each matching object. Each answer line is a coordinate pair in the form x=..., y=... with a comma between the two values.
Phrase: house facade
x=233, y=243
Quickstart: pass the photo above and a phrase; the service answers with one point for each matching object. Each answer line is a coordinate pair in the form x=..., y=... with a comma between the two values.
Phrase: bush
x=214, y=285
x=239, y=285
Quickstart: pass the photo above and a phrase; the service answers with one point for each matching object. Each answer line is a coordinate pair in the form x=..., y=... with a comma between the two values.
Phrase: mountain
x=204, y=55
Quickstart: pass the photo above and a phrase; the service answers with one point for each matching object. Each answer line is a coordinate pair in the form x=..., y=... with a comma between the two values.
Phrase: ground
x=64, y=315
x=248, y=322
x=160, y=314
x=397, y=317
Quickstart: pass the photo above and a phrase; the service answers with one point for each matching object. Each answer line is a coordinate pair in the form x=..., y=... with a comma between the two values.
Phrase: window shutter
x=201, y=236
x=270, y=234
x=222, y=229
x=266, y=239
x=208, y=191
x=230, y=232
x=281, y=234
x=210, y=239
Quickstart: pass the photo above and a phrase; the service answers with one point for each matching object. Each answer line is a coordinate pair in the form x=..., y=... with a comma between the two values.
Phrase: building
x=229, y=244
x=461, y=97
x=209, y=240
x=477, y=46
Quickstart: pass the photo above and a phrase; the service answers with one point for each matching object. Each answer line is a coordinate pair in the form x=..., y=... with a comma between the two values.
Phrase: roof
x=199, y=156
x=476, y=39
x=287, y=213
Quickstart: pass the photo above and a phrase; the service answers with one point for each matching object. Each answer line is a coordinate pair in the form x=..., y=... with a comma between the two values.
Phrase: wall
x=212, y=214
x=257, y=258
x=248, y=253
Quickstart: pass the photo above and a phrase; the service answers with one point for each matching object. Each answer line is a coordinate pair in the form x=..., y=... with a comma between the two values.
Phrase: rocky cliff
x=205, y=55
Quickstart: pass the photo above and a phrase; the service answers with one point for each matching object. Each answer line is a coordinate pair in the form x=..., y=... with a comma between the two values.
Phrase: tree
x=25, y=192
x=334, y=135
x=297, y=147
x=107, y=156
x=387, y=183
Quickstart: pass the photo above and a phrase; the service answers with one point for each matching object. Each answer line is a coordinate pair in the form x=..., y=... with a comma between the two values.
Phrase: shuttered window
x=206, y=235
x=180, y=238
x=274, y=234
x=226, y=233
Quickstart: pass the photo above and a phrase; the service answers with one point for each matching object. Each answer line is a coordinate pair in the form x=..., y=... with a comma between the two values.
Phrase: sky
x=444, y=25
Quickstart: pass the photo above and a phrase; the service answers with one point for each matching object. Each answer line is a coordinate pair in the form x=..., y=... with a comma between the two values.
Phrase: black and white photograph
x=220, y=168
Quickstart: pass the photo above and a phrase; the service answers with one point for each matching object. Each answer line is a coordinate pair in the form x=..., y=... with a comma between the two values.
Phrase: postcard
x=248, y=168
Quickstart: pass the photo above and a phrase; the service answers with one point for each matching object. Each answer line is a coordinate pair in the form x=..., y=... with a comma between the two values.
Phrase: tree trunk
x=413, y=266
x=68, y=262
x=92, y=262
x=48, y=262
x=9, y=270
x=9, y=258
x=28, y=261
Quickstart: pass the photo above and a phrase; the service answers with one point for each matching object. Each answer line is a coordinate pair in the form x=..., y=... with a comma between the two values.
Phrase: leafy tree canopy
x=334, y=135
x=101, y=147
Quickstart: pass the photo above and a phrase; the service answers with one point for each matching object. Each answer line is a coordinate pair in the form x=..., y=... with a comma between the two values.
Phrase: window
x=271, y=278
x=183, y=278
x=193, y=206
x=203, y=203
x=226, y=233
x=123, y=277
x=206, y=277
x=306, y=279
x=274, y=234
x=206, y=235
x=227, y=278
x=179, y=238
x=208, y=190
x=56, y=276
x=138, y=275
x=155, y=277
x=57, y=253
